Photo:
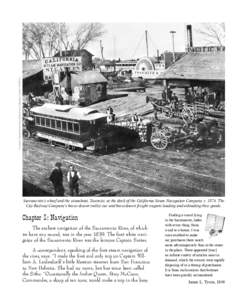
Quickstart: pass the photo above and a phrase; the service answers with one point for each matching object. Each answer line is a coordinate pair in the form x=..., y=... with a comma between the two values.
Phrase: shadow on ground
x=30, y=190
x=118, y=95
x=107, y=192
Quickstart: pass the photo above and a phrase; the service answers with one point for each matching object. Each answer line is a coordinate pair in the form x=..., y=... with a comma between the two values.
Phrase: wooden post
x=146, y=35
x=173, y=46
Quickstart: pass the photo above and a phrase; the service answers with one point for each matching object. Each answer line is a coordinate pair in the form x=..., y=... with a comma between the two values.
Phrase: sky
x=127, y=40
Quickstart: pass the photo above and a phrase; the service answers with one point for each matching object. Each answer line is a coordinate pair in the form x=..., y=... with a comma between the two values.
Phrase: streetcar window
x=64, y=126
x=76, y=127
x=42, y=121
x=47, y=122
x=58, y=123
x=52, y=123
x=70, y=127
x=37, y=120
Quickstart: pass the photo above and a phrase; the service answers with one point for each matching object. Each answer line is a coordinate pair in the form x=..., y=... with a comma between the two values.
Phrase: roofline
x=186, y=78
x=67, y=118
x=25, y=76
x=197, y=79
x=58, y=52
x=64, y=115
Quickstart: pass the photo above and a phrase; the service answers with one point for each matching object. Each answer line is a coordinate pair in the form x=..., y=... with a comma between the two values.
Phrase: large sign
x=51, y=64
x=148, y=74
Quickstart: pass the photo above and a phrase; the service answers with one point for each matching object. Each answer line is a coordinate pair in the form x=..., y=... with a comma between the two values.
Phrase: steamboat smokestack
x=189, y=36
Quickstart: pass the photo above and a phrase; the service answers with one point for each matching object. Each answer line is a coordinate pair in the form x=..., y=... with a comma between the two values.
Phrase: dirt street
x=136, y=172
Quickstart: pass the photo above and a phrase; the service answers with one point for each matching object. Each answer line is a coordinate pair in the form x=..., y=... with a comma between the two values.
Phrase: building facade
x=87, y=87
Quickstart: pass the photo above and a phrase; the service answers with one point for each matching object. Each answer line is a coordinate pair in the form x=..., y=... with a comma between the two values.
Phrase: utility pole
x=146, y=35
x=173, y=47
x=59, y=41
x=101, y=49
x=114, y=47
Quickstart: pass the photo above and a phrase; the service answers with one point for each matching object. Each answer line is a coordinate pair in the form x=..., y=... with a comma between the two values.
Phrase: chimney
x=189, y=36
x=158, y=58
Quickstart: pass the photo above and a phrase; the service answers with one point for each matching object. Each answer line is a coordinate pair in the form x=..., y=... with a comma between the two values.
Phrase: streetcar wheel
x=26, y=133
x=52, y=143
x=159, y=140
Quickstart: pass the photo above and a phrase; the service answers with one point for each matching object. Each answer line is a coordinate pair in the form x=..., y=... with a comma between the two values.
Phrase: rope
x=153, y=43
x=138, y=45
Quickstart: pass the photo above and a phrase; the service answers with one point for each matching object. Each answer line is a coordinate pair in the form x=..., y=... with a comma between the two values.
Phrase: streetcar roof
x=68, y=112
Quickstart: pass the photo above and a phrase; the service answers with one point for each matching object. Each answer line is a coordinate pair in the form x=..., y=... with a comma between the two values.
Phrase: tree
x=65, y=36
x=213, y=33
x=88, y=32
x=45, y=39
x=39, y=39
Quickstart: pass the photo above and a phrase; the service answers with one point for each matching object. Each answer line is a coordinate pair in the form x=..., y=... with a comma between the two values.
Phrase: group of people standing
x=198, y=94
x=192, y=95
x=169, y=97
x=73, y=178
x=136, y=118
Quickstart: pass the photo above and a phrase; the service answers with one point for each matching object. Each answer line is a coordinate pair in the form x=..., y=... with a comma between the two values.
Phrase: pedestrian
x=64, y=95
x=169, y=94
x=175, y=101
x=110, y=115
x=73, y=178
x=188, y=98
x=205, y=96
x=109, y=110
x=31, y=100
x=135, y=118
x=56, y=178
x=164, y=95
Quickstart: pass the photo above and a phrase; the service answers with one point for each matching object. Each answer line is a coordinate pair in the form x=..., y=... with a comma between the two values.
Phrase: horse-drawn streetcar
x=75, y=127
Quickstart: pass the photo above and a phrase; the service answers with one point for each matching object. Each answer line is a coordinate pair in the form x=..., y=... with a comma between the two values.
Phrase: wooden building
x=86, y=57
x=107, y=68
x=88, y=86
x=32, y=78
x=37, y=79
x=202, y=67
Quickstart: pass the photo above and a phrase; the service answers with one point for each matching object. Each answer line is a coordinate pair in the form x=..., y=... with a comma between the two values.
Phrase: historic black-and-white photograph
x=123, y=109
x=214, y=224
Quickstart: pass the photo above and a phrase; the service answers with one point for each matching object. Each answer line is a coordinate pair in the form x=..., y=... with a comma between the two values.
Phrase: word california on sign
x=54, y=63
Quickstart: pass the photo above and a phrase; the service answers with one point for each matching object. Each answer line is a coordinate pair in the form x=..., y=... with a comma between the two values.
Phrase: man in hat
x=56, y=178
x=164, y=95
x=175, y=101
x=31, y=100
x=73, y=178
